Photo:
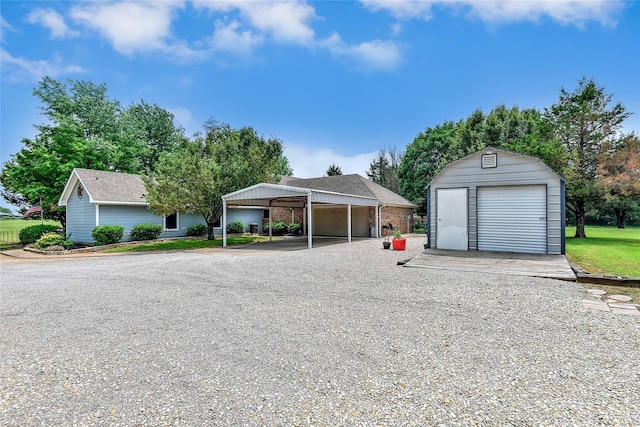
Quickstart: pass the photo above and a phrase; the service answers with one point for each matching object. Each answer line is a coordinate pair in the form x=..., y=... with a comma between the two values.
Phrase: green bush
x=67, y=244
x=146, y=231
x=235, y=227
x=279, y=227
x=32, y=233
x=50, y=239
x=197, y=230
x=107, y=234
x=294, y=228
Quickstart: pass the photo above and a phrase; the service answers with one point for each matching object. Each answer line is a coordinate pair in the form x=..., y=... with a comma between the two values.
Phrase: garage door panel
x=512, y=219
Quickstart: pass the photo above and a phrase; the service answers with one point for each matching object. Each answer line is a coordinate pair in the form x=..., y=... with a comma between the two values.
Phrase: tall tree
x=429, y=152
x=224, y=160
x=85, y=128
x=584, y=123
x=333, y=170
x=619, y=175
x=383, y=169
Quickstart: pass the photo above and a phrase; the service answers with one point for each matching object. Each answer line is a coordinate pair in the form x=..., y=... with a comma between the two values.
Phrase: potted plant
x=399, y=242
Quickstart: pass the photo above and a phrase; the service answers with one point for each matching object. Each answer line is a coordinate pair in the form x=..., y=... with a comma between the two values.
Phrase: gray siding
x=244, y=215
x=81, y=219
x=129, y=216
x=512, y=169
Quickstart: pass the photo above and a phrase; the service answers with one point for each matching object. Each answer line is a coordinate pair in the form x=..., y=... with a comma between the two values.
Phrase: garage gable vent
x=489, y=160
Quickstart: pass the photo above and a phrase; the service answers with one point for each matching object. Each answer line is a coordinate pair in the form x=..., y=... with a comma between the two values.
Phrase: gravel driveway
x=334, y=336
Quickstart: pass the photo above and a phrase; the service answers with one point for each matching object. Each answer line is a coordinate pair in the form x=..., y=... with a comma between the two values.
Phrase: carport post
x=349, y=223
x=309, y=236
x=224, y=223
x=270, y=224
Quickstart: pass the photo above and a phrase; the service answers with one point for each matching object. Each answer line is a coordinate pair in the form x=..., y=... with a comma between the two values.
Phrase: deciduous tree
x=224, y=160
x=619, y=175
x=383, y=170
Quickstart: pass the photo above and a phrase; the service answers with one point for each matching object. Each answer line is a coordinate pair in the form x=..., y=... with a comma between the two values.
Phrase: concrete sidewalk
x=535, y=265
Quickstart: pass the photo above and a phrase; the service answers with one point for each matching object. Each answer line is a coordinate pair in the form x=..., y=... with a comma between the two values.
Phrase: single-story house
x=342, y=205
x=497, y=200
x=94, y=198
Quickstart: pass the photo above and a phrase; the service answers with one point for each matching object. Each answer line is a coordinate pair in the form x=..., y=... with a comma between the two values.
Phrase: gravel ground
x=335, y=336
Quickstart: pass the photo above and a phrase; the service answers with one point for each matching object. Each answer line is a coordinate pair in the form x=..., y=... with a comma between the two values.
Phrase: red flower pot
x=399, y=244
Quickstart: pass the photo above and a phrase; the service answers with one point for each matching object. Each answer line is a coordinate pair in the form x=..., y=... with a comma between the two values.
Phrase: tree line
x=85, y=128
x=579, y=137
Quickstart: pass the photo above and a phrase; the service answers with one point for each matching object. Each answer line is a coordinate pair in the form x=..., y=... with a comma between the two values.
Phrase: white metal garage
x=513, y=219
x=497, y=200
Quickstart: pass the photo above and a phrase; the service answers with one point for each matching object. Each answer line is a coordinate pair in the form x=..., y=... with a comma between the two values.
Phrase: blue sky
x=335, y=81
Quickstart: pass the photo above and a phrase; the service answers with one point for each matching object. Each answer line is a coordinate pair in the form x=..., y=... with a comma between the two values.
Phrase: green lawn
x=10, y=227
x=178, y=245
x=606, y=250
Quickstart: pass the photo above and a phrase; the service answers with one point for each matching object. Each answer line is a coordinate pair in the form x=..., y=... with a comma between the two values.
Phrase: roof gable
x=352, y=184
x=473, y=157
x=106, y=187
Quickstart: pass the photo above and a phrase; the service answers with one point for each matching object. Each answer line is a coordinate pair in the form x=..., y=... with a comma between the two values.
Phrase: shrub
x=50, y=239
x=107, y=234
x=197, y=230
x=235, y=227
x=279, y=227
x=67, y=244
x=146, y=231
x=32, y=233
x=294, y=228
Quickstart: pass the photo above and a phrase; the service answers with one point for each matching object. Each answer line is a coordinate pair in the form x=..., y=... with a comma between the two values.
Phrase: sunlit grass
x=179, y=245
x=10, y=229
x=606, y=250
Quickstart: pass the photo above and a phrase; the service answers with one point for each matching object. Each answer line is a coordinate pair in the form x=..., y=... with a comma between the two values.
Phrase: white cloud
x=21, y=69
x=290, y=22
x=285, y=21
x=567, y=12
x=229, y=38
x=375, y=54
x=51, y=20
x=136, y=27
x=4, y=26
x=311, y=163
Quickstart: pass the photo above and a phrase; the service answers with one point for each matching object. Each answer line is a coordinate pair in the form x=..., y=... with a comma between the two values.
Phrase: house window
x=265, y=213
x=218, y=223
x=171, y=222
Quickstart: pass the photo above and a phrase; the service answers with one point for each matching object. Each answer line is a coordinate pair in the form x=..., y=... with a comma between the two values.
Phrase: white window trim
x=164, y=221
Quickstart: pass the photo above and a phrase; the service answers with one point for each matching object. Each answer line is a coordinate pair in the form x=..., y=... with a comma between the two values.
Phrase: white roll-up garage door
x=512, y=219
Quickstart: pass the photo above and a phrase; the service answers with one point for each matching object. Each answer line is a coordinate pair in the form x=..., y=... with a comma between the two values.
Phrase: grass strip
x=177, y=245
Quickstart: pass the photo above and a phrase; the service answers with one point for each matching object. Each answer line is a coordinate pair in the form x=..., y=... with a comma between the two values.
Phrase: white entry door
x=451, y=229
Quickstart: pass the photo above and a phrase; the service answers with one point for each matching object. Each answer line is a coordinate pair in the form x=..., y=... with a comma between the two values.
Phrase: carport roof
x=287, y=196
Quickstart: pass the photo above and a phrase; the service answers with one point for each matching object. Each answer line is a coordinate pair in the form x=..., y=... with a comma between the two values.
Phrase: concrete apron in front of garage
x=537, y=265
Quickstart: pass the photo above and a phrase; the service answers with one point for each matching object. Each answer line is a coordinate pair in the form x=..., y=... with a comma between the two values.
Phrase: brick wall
x=394, y=215
x=284, y=215
x=398, y=218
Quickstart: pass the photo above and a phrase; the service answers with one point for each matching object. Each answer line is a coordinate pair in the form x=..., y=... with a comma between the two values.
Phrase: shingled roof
x=353, y=184
x=106, y=187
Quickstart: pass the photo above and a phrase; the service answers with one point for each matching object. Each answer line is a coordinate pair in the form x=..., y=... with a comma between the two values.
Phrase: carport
x=273, y=195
